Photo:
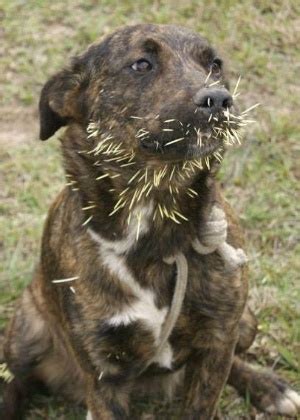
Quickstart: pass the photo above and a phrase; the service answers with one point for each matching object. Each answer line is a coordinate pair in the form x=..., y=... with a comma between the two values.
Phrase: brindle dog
x=140, y=154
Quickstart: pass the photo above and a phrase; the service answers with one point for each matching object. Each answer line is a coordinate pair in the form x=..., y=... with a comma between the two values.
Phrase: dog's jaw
x=133, y=182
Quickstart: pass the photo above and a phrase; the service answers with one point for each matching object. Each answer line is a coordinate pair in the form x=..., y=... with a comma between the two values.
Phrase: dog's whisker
x=236, y=86
x=135, y=117
x=217, y=157
x=121, y=159
x=116, y=209
x=142, y=132
x=139, y=217
x=65, y=280
x=149, y=190
x=87, y=221
x=124, y=191
x=68, y=184
x=92, y=206
x=193, y=191
x=102, y=177
x=214, y=83
x=160, y=210
x=144, y=176
x=206, y=159
x=173, y=141
x=132, y=200
x=134, y=176
x=208, y=77
x=236, y=95
x=180, y=215
x=250, y=108
x=246, y=122
x=127, y=164
x=235, y=134
x=5, y=374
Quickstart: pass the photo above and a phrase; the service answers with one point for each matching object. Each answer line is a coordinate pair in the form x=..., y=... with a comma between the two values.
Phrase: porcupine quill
x=145, y=181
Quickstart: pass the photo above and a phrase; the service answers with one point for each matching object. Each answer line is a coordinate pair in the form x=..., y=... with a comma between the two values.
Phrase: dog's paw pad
x=287, y=404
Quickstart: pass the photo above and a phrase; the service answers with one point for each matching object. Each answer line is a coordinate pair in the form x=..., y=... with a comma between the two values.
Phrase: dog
x=142, y=276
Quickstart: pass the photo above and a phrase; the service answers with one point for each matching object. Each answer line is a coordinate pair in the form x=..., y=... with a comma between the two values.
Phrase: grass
x=261, y=43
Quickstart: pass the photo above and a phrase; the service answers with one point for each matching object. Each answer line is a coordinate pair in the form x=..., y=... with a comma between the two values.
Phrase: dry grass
x=260, y=39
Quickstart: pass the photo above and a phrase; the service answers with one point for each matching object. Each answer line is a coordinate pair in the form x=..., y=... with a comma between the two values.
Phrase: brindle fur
x=63, y=339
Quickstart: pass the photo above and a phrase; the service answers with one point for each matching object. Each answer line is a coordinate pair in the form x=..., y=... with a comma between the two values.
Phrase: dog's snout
x=213, y=100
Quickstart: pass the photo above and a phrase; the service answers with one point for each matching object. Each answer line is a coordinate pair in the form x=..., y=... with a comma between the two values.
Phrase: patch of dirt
x=17, y=125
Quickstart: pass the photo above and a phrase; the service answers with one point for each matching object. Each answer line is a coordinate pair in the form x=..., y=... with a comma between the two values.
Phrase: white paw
x=89, y=416
x=288, y=404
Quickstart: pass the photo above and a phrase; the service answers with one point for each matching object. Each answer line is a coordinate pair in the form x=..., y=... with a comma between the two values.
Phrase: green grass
x=261, y=43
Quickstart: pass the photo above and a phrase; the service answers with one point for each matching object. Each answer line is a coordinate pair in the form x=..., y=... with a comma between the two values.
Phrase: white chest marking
x=165, y=357
x=144, y=307
x=140, y=219
x=112, y=255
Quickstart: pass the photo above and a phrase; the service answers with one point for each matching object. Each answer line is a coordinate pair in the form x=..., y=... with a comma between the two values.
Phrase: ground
x=261, y=43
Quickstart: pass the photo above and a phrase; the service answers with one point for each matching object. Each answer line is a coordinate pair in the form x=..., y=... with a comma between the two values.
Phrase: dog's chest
x=152, y=283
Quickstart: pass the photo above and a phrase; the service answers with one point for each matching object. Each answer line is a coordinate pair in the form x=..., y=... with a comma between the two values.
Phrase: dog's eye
x=141, y=66
x=216, y=66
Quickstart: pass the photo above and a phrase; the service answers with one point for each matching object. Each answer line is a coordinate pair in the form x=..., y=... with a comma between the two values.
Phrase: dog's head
x=156, y=90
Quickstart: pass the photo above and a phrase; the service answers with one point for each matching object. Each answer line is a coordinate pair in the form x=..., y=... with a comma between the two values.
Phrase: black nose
x=212, y=100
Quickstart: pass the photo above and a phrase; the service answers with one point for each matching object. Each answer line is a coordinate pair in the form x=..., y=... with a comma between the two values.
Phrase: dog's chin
x=189, y=149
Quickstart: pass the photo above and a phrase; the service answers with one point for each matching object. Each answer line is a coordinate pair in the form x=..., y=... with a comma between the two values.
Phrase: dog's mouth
x=178, y=141
x=156, y=141
x=193, y=146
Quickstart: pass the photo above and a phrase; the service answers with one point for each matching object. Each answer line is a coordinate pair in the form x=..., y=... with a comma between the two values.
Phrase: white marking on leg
x=288, y=404
x=293, y=396
x=89, y=416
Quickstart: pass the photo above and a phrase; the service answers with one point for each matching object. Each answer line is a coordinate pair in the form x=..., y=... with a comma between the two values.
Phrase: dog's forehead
x=129, y=38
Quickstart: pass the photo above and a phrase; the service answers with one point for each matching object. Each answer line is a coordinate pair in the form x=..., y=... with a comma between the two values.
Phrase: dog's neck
x=117, y=195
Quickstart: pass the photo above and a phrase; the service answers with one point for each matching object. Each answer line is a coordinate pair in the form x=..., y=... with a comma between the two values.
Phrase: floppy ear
x=58, y=102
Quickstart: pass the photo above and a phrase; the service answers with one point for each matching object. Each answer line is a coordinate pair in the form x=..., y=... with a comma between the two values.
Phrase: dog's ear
x=59, y=102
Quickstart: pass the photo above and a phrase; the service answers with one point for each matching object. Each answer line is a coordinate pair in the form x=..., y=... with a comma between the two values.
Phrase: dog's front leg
x=205, y=376
x=107, y=401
